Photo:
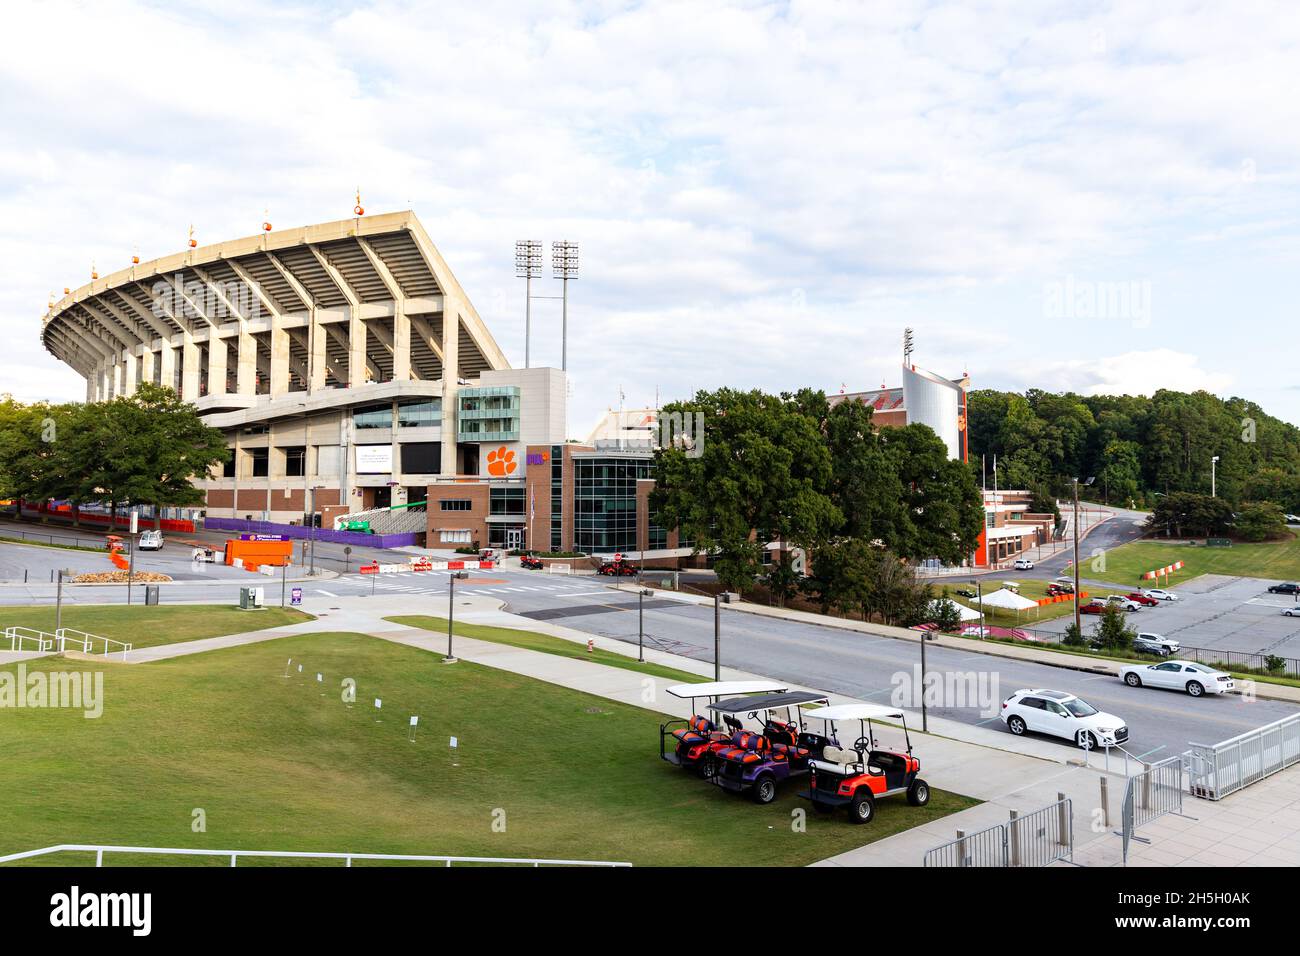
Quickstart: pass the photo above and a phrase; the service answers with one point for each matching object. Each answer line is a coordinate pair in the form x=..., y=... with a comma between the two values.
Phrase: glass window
x=421, y=457
x=258, y=461
x=419, y=414
x=375, y=416
x=506, y=501
x=454, y=504
x=295, y=461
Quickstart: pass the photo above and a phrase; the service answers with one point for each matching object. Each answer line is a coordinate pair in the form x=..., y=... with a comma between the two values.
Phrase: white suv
x=1122, y=602
x=1062, y=715
x=151, y=540
x=1023, y=564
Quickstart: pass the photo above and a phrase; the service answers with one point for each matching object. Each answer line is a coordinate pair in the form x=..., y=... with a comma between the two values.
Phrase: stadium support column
x=246, y=369
x=356, y=349
x=128, y=373
x=191, y=368
x=450, y=381
x=146, y=363
x=317, y=338
x=167, y=364
x=401, y=342
x=216, y=364
x=279, y=356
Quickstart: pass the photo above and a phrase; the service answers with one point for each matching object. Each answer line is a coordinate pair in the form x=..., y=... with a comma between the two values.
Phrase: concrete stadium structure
x=344, y=361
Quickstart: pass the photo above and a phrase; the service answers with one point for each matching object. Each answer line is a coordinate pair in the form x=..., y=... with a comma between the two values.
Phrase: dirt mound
x=119, y=577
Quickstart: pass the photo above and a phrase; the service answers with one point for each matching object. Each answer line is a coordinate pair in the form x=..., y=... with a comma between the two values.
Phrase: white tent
x=967, y=614
x=1009, y=600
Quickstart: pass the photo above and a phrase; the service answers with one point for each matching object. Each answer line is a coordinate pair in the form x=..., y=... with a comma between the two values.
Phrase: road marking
x=326, y=593
x=586, y=593
x=1149, y=752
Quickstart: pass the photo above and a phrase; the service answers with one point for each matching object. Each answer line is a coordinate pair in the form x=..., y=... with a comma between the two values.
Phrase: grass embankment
x=283, y=763
x=1125, y=565
x=546, y=644
x=147, y=626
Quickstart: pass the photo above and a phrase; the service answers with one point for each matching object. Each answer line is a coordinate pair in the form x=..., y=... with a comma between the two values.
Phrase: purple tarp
x=403, y=540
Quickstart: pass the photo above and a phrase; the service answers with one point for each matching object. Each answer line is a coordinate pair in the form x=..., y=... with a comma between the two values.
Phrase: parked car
x=1094, y=607
x=1064, y=715
x=1292, y=519
x=151, y=540
x=1289, y=587
x=1292, y=611
x=1160, y=594
x=1022, y=564
x=966, y=593
x=1196, y=679
x=1150, y=643
x=1122, y=602
x=1143, y=599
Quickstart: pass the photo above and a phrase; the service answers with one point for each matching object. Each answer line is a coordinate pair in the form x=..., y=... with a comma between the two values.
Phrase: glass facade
x=557, y=497
x=604, y=503
x=506, y=500
x=488, y=414
x=420, y=414
x=375, y=416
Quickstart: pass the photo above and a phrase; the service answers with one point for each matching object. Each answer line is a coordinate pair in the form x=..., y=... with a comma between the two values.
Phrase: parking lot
x=1214, y=611
x=39, y=563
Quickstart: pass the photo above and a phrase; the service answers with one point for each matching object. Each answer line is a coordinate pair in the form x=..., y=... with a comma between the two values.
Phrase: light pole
x=1078, y=620
x=1214, y=462
x=58, y=603
x=641, y=595
x=979, y=599
x=719, y=599
x=311, y=530
x=564, y=266
x=451, y=610
x=925, y=718
x=528, y=266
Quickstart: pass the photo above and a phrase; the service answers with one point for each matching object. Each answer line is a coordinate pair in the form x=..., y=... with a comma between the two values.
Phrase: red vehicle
x=857, y=778
x=1143, y=599
x=617, y=568
x=531, y=562
x=1094, y=607
x=696, y=741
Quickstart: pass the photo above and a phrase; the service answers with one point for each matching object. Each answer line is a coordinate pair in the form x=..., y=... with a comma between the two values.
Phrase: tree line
x=862, y=501
x=1136, y=448
x=143, y=449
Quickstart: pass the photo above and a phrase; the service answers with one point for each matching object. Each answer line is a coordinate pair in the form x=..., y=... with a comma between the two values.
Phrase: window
x=1034, y=702
x=375, y=416
x=419, y=414
x=604, y=502
x=454, y=537
x=258, y=462
x=455, y=504
x=506, y=501
x=228, y=466
x=295, y=461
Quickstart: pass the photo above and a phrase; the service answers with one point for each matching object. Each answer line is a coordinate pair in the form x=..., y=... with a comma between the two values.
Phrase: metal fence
x=345, y=858
x=1032, y=840
x=1216, y=770
x=1155, y=791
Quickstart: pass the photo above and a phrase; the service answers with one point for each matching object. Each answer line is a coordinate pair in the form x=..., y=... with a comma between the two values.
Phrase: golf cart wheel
x=1132, y=679
x=707, y=766
x=863, y=807
x=764, y=789
x=1194, y=688
x=918, y=794
x=1016, y=725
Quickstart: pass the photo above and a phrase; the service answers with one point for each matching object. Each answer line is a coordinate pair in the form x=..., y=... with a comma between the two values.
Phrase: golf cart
x=696, y=741
x=857, y=778
x=531, y=562
x=754, y=762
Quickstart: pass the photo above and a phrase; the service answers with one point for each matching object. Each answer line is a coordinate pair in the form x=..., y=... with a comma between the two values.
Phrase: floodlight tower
x=907, y=347
x=564, y=266
x=528, y=266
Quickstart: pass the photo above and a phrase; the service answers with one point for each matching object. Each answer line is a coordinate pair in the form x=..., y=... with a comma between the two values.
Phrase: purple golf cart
x=756, y=761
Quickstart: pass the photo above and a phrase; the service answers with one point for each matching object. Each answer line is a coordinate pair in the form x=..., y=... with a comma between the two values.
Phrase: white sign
x=374, y=459
x=414, y=721
x=319, y=678
x=135, y=522
x=454, y=743
x=378, y=704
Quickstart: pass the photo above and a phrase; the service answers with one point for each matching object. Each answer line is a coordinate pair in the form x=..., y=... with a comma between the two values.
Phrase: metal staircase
x=399, y=519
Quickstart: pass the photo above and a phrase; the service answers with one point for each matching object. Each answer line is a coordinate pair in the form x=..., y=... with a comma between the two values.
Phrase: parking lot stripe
x=326, y=593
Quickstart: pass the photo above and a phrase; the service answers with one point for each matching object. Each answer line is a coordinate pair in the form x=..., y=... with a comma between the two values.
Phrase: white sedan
x=1160, y=594
x=1292, y=611
x=1062, y=715
x=1196, y=679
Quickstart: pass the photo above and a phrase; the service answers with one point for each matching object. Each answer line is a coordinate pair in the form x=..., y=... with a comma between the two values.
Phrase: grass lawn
x=143, y=626
x=282, y=763
x=1278, y=560
x=547, y=644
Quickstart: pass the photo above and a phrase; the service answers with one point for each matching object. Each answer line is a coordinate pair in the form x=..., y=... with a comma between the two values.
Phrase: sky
x=1086, y=196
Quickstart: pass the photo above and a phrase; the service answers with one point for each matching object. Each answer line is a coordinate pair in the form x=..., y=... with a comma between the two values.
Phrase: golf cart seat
x=745, y=747
x=838, y=756
x=696, y=731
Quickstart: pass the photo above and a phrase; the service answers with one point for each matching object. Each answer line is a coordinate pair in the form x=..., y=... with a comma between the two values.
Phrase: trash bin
x=151, y=594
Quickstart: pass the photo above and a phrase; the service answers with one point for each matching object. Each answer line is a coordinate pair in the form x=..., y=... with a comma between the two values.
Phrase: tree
x=943, y=511
x=1185, y=513
x=1073, y=636
x=945, y=615
x=1113, y=634
x=760, y=476
x=1260, y=521
x=27, y=440
x=782, y=580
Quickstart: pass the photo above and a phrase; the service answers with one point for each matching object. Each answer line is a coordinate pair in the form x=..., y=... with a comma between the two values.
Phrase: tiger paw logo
x=501, y=462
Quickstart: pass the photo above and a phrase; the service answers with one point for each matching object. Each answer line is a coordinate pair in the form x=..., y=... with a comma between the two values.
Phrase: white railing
x=234, y=855
x=559, y=569
x=1216, y=770
x=18, y=635
x=61, y=642
x=88, y=641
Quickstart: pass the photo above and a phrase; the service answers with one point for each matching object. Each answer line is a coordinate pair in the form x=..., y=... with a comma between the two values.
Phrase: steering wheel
x=862, y=744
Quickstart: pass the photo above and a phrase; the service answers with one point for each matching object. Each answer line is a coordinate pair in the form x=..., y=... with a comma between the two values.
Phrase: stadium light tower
x=564, y=266
x=528, y=266
x=907, y=347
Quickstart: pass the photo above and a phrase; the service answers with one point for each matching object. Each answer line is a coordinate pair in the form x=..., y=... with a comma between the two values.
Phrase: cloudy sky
x=1093, y=196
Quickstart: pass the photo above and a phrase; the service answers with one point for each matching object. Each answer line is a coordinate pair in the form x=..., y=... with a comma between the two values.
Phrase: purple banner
x=403, y=540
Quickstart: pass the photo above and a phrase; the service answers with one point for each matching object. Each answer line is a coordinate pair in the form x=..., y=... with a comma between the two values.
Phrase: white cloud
x=1131, y=373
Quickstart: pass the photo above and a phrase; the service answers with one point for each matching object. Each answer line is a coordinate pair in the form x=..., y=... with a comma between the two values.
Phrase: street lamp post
x=451, y=610
x=564, y=266
x=1078, y=620
x=58, y=603
x=1214, y=462
x=979, y=599
x=925, y=718
x=311, y=530
x=719, y=599
x=528, y=266
x=641, y=595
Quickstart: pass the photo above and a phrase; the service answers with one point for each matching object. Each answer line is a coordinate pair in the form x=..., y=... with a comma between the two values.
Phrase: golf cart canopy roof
x=727, y=688
x=855, y=712
x=744, y=705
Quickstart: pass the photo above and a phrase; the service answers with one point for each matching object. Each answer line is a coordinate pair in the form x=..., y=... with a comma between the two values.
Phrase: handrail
x=32, y=634
x=1250, y=733
x=99, y=851
x=87, y=640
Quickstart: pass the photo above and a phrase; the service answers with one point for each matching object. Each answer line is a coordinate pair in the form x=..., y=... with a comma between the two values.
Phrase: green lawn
x=547, y=644
x=1029, y=588
x=144, y=626
x=283, y=763
x=1278, y=560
